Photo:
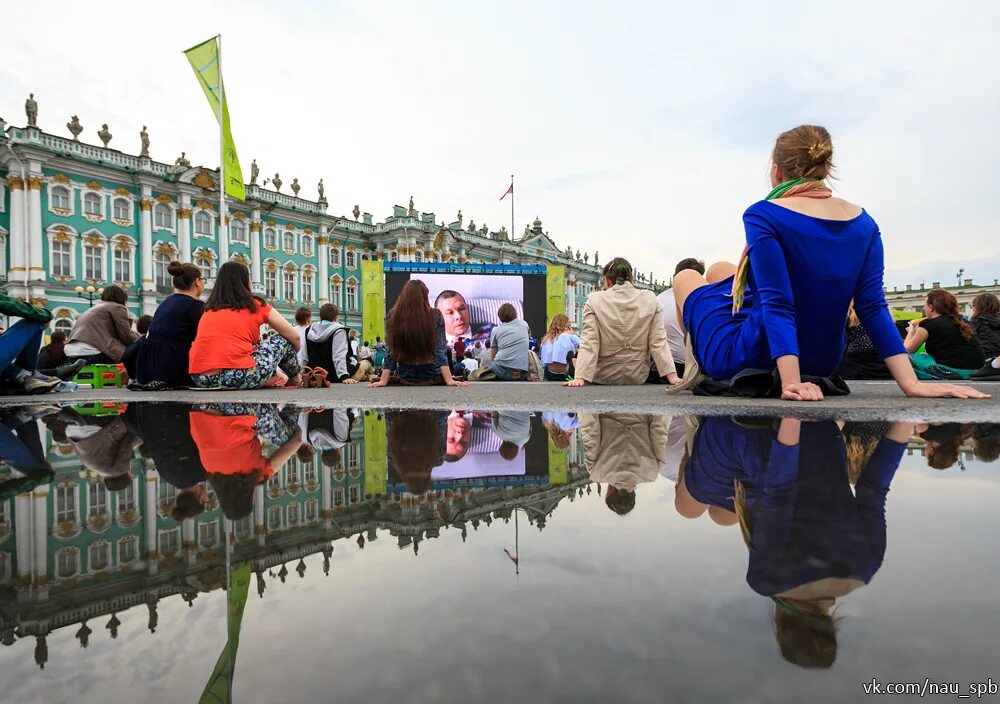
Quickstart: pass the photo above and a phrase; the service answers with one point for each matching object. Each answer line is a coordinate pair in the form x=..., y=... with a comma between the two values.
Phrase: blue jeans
x=19, y=346
x=506, y=374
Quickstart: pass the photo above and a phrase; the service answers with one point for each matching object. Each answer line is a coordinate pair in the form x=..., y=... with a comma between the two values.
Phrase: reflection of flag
x=508, y=192
x=205, y=60
x=219, y=687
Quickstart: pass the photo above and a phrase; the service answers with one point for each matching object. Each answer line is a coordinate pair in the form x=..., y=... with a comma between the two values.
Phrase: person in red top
x=229, y=446
x=228, y=351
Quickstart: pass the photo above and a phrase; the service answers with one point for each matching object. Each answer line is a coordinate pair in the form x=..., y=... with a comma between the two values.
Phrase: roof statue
x=31, y=110
x=74, y=127
x=144, y=140
x=104, y=134
x=254, y=173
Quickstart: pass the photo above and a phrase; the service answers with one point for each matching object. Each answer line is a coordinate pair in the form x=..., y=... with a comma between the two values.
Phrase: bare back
x=825, y=208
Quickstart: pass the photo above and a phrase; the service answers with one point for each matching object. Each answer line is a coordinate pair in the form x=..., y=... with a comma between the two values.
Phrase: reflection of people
x=21, y=449
x=413, y=461
x=944, y=443
x=456, y=314
x=104, y=445
x=514, y=430
x=623, y=450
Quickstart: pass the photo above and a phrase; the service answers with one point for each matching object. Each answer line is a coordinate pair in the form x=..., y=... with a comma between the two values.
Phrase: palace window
x=288, y=282
x=352, y=259
x=128, y=549
x=274, y=518
x=63, y=324
x=312, y=509
x=160, y=263
x=59, y=197
x=270, y=284
x=60, y=255
x=243, y=528
x=93, y=261
x=336, y=293
x=163, y=217
x=335, y=256
x=206, y=263
x=97, y=500
x=353, y=494
x=309, y=472
x=288, y=240
x=238, y=231
x=307, y=245
x=99, y=556
x=418, y=256
x=270, y=238
x=123, y=266
x=307, y=286
x=122, y=210
x=338, y=496
x=294, y=514
x=166, y=493
x=66, y=504
x=126, y=499
x=169, y=542
x=352, y=296
x=92, y=204
x=394, y=256
x=208, y=534
x=202, y=223
x=67, y=563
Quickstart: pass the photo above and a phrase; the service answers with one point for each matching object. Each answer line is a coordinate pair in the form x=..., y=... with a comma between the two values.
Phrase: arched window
x=127, y=549
x=294, y=513
x=307, y=286
x=163, y=217
x=270, y=282
x=63, y=324
x=238, y=231
x=206, y=263
x=352, y=295
x=394, y=256
x=202, y=223
x=288, y=284
x=307, y=245
x=335, y=256
x=67, y=562
x=160, y=263
x=336, y=292
x=123, y=266
x=122, y=210
x=352, y=259
x=60, y=197
x=270, y=238
x=92, y=204
x=99, y=557
x=60, y=251
x=93, y=261
x=288, y=241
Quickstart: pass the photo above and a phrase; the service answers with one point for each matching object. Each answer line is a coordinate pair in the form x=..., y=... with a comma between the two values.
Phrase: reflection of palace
x=71, y=551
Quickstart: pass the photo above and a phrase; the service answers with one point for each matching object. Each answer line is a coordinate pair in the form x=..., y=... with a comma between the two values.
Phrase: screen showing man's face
x=456, y=315
x=459, y=437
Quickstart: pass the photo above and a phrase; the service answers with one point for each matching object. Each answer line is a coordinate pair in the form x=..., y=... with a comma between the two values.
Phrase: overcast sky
x=636, y=129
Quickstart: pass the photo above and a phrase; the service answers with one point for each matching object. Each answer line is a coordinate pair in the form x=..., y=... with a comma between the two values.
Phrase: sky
x=639, y=129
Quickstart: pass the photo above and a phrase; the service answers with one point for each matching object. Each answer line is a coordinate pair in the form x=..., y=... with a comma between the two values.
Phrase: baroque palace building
x=74, y=214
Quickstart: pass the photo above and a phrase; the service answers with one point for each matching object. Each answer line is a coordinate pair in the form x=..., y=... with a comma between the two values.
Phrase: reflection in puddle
x=110, y=508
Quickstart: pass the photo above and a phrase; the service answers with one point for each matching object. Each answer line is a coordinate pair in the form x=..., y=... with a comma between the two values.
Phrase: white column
x=37, y=268
x=223, y=242
x=146, y=239
x=259, y=529
x=326, y=487
x=41, y=535
x=324, y=265
x=188, y=541
x=22, y=530
x=18, y=229
x=184, y=227
x=255, y=251
x=149, y=518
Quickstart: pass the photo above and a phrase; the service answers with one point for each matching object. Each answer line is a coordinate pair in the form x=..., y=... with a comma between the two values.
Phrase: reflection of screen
x=469, y=302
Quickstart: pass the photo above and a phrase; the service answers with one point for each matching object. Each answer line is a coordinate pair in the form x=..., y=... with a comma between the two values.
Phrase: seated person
x=948, y=338
x=675, y=336
x=163, y=356
x=985, y=322
x=469, y=362
x=622, y=330
x=101, y=334
x=228, y=351
x=328, y=348
x=19, y=346
x=623, y=450
x=558, y=349
x=53, y=354
x=418, y=347
x=509, y=345
x=861, y=361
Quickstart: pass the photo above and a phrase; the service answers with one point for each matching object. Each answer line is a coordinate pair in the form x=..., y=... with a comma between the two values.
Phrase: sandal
x=320, y=380
x=277, y=381
x=307, y=377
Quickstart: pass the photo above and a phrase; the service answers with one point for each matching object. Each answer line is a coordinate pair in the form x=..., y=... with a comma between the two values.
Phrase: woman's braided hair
x=618, y=270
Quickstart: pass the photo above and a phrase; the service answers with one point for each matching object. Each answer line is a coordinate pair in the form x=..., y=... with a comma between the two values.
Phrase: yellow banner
x=555, y=291
x=204, y=59
x=376, y=462
x=373, y=300
x=557, y=464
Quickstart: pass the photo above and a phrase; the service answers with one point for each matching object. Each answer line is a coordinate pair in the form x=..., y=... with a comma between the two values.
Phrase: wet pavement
x=256, y=552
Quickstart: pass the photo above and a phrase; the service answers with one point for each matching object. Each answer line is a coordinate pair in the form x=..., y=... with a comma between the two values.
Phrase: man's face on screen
x=459, y=437
x=456, y=315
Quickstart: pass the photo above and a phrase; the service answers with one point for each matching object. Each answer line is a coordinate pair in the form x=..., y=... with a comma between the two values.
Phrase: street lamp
x=90, y=293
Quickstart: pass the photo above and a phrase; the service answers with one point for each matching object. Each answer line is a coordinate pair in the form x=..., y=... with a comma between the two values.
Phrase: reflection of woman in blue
x=811, y=539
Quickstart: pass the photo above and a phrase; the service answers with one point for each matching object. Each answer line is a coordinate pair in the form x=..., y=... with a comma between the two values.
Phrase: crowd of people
x=766, y=325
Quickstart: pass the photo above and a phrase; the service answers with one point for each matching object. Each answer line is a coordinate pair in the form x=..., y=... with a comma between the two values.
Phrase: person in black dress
x=949, y=339
x=163, y=354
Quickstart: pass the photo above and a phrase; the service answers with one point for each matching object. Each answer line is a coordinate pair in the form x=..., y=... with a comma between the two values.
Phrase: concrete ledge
x=870, y=400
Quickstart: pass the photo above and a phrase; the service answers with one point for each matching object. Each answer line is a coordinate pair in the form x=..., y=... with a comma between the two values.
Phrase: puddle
x=263, y=554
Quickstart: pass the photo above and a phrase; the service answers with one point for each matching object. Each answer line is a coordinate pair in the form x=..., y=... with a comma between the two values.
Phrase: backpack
x=320, y=354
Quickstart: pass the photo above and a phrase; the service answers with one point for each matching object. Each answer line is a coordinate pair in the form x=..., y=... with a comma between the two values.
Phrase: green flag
x=220, y=682
x=204, y=59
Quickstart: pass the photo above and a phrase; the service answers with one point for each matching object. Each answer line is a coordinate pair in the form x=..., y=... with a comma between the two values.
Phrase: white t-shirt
x=302, y=355
x=675, y=338
x=80, y=349
x=470, y=364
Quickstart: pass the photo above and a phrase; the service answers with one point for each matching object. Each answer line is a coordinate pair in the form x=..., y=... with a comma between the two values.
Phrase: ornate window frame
x=351, y=259
x=352, y=283
x=202, y=214
x=289, y=235
x=94, y=238
x=337, y=291
x=62, y=233
x=123, y=243
x=163, y=533
x=63, y=182
x=94, y=189
x=335, y=256
x=239, y=218
x=131, y=540
x=307, y=245
x=163, y=202
x=270, y=232
x=68, y=551
x=286, y=269
x=122, y=195
x=201, y=254
x=94, y=547
x=163, y=248
x=271, y=268
x=307, y=272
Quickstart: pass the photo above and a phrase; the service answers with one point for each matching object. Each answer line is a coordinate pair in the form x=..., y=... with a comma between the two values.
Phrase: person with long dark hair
x=163, y=355
x=228, y=350
x=949, y=339
x=622, y=331
x=418, y=348
x=783, y=307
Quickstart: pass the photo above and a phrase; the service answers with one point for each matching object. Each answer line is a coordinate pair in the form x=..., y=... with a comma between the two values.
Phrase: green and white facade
x=74, y=214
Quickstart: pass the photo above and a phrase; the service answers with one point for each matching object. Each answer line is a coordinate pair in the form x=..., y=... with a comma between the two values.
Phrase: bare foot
x=279, y=379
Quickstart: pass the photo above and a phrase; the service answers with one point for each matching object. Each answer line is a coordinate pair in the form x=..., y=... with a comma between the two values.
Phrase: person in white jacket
x=327, y=346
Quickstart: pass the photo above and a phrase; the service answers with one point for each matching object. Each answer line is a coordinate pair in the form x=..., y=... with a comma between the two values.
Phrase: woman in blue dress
x=163, y=354
x=784, y=307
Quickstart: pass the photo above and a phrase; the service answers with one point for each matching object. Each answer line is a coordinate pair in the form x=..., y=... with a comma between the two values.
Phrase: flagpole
x=222, y=157
x=512, y=207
